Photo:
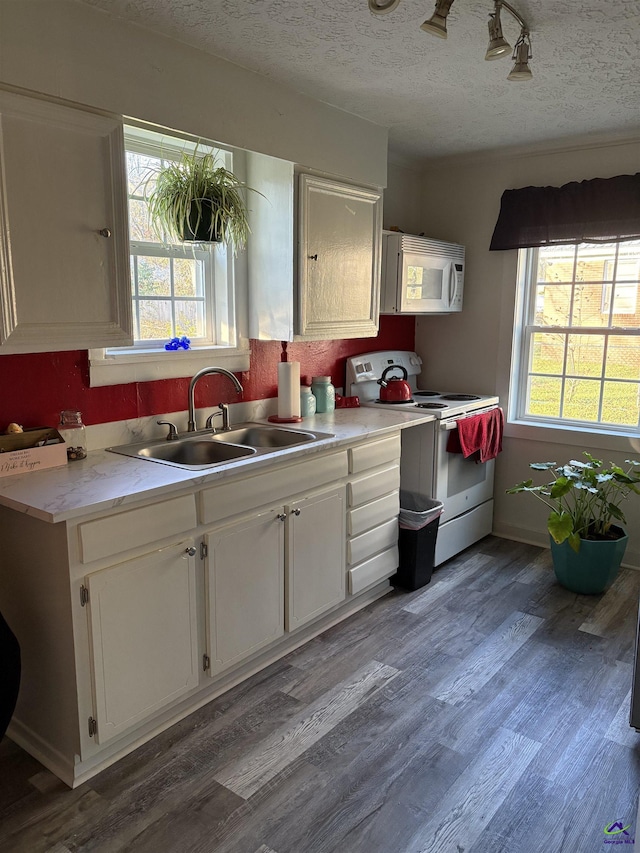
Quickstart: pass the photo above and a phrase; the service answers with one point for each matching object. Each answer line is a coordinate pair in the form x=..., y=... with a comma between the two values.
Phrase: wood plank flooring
x=484, y=713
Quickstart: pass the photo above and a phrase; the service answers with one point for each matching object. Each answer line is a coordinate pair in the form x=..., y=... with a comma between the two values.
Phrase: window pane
x=141, y=170
x=587, y=306
x=154, y=276
x=593, y=373
x=544, y=396
x=547, y=353
x=190, y=319
x=581, y=399
x=595, y=263
x=155, y=319
x=620, y=403
x=140, y=227
x=555, y=263
x=552, y=304
x=584, y=355
x=623, y=357
x=187, y=277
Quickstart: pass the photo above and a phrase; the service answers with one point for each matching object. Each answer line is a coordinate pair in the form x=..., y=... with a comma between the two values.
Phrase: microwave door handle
x=452, y=283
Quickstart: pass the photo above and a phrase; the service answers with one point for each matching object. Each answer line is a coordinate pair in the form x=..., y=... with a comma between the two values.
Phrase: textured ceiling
x=437, y=97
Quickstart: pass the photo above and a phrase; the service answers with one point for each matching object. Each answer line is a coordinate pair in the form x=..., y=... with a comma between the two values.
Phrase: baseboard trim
x=535, y=537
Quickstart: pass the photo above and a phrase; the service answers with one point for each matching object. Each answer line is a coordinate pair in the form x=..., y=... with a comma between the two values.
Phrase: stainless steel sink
x=264, y=436
x=206, y=449
x=194, y=453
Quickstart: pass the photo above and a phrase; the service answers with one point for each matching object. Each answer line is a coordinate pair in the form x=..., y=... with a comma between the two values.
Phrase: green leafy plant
x=584, y=498
x=195, y=198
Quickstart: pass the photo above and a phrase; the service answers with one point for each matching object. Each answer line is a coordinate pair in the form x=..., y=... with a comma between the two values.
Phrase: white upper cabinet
x=317, y=278
x=339, y=246
x=64, y=256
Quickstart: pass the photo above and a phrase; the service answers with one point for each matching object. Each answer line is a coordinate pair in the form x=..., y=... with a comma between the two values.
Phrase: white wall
x=471, y=351
x=68, y=50
x=403, y=198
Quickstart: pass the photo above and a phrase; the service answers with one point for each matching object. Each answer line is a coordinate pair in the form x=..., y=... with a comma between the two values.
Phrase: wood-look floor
x=486, y=712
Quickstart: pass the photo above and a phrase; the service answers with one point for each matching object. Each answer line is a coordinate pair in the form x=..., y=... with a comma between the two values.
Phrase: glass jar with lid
x=324, y=392
x=74, y=432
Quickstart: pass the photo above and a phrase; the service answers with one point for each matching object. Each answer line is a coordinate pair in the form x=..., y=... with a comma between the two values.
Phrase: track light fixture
x=498, y=45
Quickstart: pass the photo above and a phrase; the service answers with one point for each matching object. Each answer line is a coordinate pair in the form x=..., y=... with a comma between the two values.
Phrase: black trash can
x=419, y=519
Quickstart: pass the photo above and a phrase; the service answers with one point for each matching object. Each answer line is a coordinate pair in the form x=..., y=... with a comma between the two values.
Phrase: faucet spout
x=206, y=371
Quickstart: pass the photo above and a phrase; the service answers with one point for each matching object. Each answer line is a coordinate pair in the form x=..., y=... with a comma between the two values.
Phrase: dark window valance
x=598, y=211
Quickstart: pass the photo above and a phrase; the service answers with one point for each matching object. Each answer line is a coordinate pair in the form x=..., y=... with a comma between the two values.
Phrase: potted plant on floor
x=584, y=498
x=197, y=199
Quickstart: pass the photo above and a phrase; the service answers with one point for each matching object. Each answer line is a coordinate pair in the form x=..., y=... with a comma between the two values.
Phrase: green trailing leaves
x=195, y=195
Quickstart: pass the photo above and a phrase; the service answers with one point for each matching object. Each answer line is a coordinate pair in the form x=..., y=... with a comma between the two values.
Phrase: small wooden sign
x=31, y=450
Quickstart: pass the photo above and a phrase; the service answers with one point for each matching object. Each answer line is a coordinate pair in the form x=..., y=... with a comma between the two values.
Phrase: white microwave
x=420, y=276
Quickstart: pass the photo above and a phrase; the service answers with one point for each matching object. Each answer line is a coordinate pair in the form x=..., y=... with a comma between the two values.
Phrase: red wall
x=34, y=388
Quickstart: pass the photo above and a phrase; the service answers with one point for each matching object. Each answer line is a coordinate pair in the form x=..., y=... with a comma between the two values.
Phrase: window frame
x=521, y=353
x=227, y=344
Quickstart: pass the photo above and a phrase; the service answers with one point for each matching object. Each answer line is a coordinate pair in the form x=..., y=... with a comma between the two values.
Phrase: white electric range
x=464, y=486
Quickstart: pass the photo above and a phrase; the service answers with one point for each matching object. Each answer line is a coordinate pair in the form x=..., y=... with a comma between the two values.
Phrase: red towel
x=478, y=433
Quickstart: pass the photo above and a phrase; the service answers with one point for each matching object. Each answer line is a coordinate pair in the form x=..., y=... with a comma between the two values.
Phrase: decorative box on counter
x=31, y=450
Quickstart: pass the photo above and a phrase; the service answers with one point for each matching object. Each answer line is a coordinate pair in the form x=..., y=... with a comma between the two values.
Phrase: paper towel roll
x=289, y=389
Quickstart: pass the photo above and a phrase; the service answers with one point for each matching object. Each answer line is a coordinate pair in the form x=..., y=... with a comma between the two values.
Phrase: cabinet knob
x=105, y=232
x=296, y=511
x=190, y=551
x=313, y=257
x=281, y=516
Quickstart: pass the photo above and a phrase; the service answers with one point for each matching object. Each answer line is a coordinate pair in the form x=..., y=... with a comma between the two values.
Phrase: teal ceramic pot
x=593, y=568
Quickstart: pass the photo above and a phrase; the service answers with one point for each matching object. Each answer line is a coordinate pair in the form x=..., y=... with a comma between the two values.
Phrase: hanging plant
x=195, y=199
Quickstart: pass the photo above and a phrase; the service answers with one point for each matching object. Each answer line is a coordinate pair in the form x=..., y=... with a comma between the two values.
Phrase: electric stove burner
x=394, y=402
x=431, y=406
x=427, y=393
x=460, y=397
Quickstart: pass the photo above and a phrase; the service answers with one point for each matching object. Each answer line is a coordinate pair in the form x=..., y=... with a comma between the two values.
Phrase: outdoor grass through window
x=580, y=358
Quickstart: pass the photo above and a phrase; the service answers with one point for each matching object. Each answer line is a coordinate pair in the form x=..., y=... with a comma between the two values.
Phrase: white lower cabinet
x=372, y=516
x=298, y=547
x=244, y=579
x=132, y=617
x=315, y=555
x=143, y=635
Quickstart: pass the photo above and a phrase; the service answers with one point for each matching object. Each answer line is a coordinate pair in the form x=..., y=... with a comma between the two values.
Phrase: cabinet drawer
x=279, y=484
x=372, y=514
x=373, y=454
x=136, y=527
x=379, y=539
x=374, y=570
x=373, y=486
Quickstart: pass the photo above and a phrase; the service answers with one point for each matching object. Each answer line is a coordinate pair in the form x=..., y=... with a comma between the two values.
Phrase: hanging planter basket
x=201, y=226
x=197, y=200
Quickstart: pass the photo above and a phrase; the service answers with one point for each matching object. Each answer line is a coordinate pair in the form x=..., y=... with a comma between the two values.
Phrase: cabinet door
x=64, y=264
x=315, y=555
x=143, y=629
x=245, y=587
x=340, y=230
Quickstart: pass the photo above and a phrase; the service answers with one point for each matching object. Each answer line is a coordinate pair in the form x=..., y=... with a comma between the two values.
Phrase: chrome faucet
x=206, y=371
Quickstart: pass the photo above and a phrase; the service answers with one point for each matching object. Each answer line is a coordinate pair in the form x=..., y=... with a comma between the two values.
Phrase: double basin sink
x=205, y=449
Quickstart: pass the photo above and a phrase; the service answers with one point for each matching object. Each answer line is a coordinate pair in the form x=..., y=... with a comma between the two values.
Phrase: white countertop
x=105, y=480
